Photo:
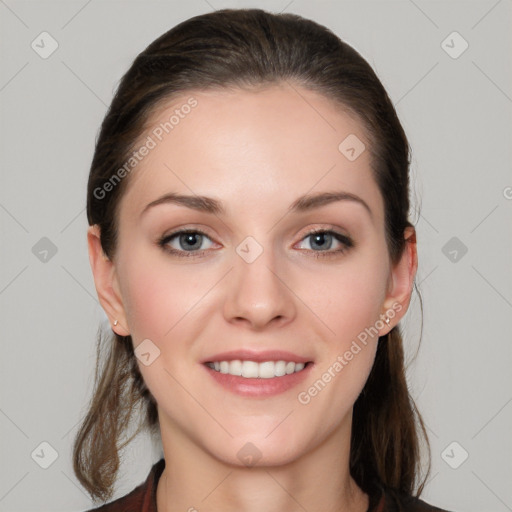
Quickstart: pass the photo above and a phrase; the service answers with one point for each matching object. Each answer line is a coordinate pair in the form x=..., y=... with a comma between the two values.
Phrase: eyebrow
x=302, y=204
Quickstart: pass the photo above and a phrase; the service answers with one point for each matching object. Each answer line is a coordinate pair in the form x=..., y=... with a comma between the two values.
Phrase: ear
x=105, y=281
x=401, y=282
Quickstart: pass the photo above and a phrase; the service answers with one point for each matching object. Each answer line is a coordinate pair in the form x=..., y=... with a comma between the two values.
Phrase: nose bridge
x=257, y=292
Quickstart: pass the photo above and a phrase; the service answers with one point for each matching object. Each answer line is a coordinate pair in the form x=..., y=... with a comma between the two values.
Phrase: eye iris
x=322, y=237
x=190, y=237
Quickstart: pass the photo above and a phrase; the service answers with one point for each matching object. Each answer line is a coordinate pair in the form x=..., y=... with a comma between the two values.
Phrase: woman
x=250, y=244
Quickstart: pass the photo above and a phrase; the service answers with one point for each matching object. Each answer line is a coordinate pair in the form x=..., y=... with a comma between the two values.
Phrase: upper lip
x=259, y=357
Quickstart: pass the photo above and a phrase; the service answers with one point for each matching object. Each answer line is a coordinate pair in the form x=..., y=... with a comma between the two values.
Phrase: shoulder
x=141, y=499
x=131, y=502
x=394, y=501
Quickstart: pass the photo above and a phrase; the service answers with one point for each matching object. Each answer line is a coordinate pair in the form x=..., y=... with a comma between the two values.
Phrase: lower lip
x=258, y=387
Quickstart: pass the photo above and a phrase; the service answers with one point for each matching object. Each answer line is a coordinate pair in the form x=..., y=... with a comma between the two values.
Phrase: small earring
x=115, y=322
x=387, y=321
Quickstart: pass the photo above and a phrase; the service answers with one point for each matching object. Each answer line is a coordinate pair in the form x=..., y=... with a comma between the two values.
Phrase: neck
x=320, y=479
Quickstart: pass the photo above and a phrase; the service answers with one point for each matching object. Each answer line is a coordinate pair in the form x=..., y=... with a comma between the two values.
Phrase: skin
x=257, y=152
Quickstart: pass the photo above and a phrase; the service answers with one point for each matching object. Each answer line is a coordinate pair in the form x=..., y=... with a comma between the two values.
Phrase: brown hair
x=249, y=48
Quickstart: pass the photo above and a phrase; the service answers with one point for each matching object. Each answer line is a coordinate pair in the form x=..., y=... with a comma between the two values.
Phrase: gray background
x=457, y=115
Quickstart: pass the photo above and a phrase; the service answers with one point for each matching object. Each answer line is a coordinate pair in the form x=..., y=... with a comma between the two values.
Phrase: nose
x=258, y=294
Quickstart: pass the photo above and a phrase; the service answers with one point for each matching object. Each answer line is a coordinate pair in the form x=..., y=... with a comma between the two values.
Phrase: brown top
x=143, y=498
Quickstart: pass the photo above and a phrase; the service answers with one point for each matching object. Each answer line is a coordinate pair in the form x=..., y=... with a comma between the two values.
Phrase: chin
x=260, y=449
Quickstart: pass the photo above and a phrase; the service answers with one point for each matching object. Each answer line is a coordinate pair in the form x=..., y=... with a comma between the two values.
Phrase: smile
x=253, y=369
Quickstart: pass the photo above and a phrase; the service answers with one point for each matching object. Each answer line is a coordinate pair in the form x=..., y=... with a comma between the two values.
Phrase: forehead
x=251, y=148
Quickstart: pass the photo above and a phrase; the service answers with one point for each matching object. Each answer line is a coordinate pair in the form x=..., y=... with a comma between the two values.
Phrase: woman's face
x=252, y=275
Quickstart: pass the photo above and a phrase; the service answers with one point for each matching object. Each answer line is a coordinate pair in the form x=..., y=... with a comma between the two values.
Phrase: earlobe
x=104, y=274
x=401, y=281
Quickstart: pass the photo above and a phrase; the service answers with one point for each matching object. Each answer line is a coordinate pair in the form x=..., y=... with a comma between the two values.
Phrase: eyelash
x=346, y=241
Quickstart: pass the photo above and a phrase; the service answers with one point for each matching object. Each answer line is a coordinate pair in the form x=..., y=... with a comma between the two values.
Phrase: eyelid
x=186, y=228
x=325, y=228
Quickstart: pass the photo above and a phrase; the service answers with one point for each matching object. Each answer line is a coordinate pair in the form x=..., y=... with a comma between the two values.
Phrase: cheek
x=350, y=308
x=348, y=297
x=157, y=294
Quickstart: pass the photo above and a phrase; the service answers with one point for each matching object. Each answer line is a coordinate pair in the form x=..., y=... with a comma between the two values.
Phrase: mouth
x=258, y=374
x=257, y=370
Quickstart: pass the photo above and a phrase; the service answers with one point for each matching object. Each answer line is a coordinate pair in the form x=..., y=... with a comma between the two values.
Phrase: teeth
x=252, y=369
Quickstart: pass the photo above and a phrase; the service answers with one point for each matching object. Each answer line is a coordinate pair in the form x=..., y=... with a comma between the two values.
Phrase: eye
x=324, y=239
x=188, y=241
